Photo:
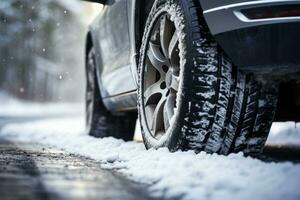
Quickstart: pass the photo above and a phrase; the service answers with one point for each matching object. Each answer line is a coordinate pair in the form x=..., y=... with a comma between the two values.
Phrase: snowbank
x=180, y=174
x=11, y=107
x=285, y=133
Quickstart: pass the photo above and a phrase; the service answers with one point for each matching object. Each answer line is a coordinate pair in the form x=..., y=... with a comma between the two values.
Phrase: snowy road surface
x=183, y=175
x=37, y=172
x=180, y=175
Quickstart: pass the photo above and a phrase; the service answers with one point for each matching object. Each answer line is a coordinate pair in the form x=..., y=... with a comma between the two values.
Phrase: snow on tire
x=213, y=99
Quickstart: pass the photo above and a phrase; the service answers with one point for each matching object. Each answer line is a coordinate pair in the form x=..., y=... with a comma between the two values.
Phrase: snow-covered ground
x=181, y=174
x=10, y=107
x=186, y=174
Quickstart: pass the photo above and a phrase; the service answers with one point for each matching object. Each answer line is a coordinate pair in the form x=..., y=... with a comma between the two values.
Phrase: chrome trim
x=248, y=3
x=243, y=18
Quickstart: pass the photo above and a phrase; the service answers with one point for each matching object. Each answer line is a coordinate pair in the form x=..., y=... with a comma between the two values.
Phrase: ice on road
x=182, y=174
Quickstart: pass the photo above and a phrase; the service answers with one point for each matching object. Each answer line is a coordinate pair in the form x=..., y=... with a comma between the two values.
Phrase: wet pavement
x=31, y=171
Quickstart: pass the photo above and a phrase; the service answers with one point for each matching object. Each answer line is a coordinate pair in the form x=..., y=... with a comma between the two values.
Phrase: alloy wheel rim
x=161, y=76
x=90, y=91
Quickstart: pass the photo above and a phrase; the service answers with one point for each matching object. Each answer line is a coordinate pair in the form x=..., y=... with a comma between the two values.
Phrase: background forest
x=42, y=48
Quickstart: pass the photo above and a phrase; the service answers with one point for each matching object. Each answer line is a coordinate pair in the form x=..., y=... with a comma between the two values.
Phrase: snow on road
x=11, y=107
x=181, y=174
x=285, y=133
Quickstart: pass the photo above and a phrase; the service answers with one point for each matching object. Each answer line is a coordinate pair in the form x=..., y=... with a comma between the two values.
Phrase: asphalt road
x=31, y=171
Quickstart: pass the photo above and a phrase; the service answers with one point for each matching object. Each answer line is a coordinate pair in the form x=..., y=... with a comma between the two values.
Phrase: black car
x=202, y=75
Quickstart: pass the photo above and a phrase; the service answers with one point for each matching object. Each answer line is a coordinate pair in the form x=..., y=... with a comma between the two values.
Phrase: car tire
x=217, y=108
x=99, y=121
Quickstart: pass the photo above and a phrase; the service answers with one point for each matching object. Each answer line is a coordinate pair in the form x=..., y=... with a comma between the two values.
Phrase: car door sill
x=121, y=94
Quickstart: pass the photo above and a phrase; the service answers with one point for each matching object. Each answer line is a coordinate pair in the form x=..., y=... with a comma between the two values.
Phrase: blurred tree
x=41, y=49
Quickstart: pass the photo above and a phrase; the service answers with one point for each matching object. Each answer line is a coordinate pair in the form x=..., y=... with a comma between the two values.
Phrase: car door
x=115, y=47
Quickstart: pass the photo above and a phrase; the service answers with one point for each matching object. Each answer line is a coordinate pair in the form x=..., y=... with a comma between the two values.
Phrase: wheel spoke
x=89, y=106
x=156, y=58
x=166, y=120
x=175, y=82
x=173, y=43
x=157, y=121
x=89, y=95
x=173, y=50
x=90, y=88
x=149, y=110
x=154, y=48
x=168, y=110
x=89, y=110
x=90, y=76
x=152, y=93
x=165, y=35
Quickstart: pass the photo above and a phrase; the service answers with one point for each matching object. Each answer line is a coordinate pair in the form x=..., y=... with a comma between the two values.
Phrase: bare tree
x=41, y=49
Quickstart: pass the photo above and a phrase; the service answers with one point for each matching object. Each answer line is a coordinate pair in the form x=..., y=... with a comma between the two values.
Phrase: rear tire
x=256, y=116
x=218, y=109
x=99, y=121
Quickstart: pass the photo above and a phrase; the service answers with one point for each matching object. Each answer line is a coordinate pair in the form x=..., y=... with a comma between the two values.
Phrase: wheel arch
x=141, y=14
x=91, y=42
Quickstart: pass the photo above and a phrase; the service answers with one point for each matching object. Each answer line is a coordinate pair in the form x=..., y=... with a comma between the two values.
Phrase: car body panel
x=225, y=16
x=262, y=45
x=115, y=48
x=116, y=65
